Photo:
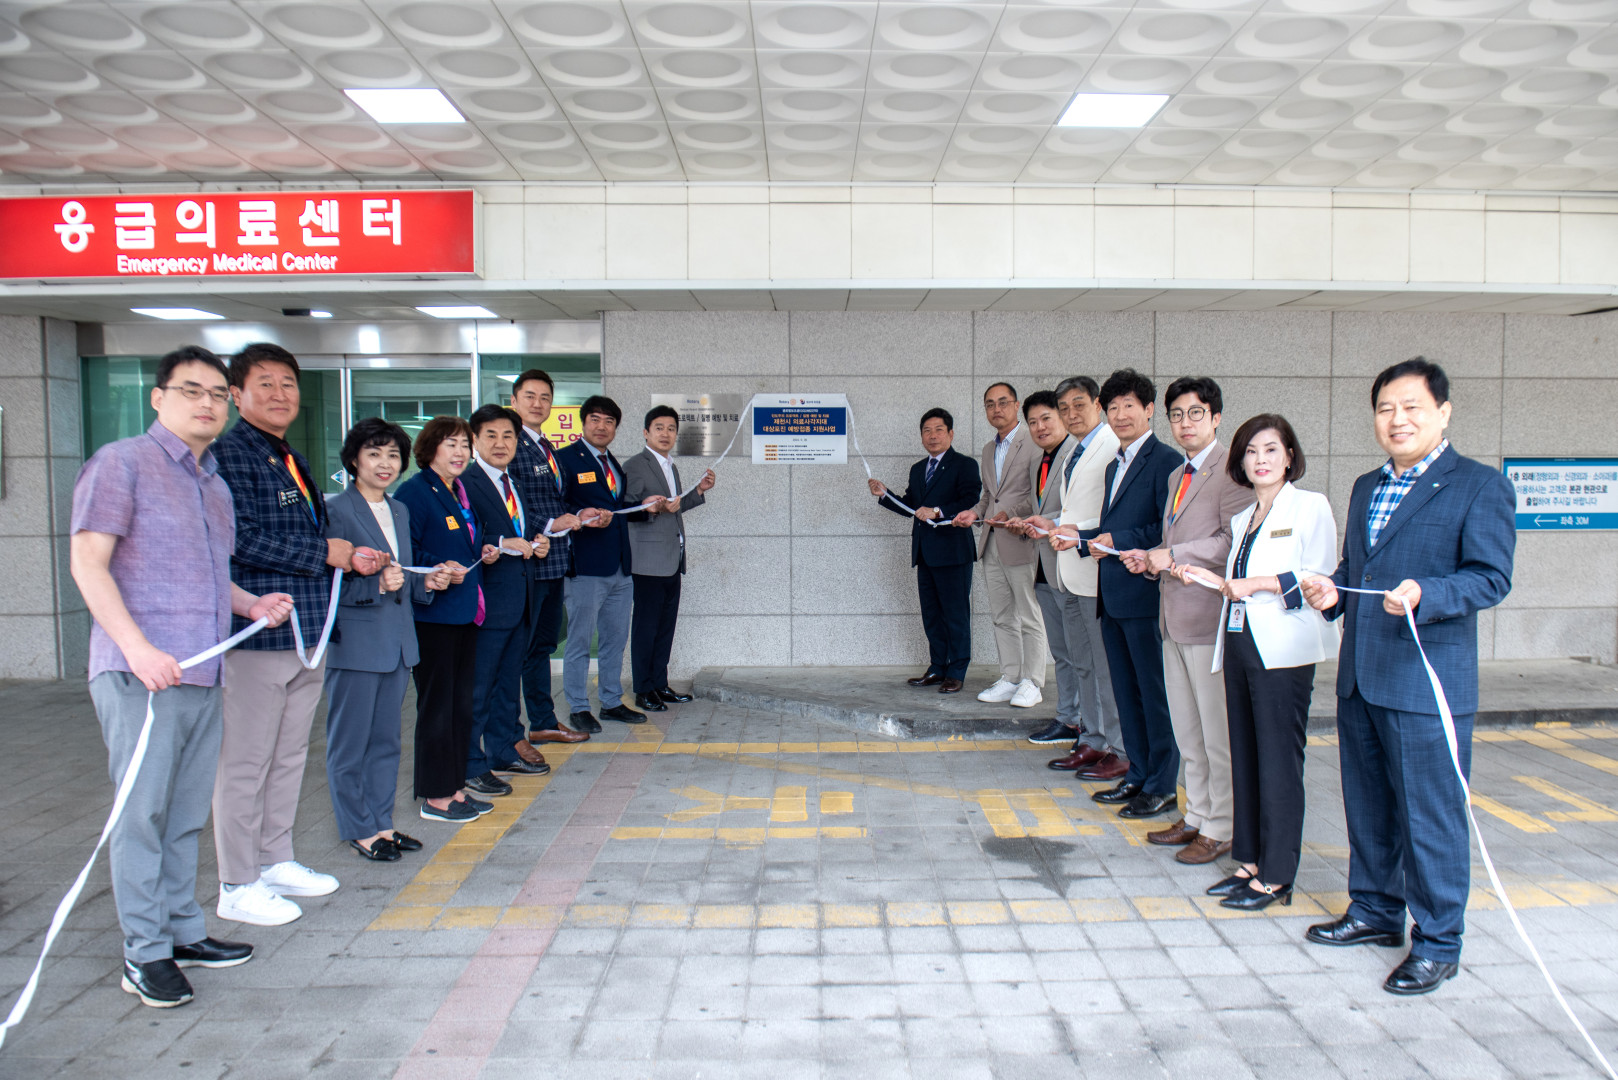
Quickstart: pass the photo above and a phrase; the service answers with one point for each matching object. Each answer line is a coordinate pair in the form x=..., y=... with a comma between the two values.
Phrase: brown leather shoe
x=929, y=679
x=557, y=734
x=950, y=686
x=1078, y=759
x=1110, y=767
x=529, y=754
x=1201, y=850
x=1176, y=834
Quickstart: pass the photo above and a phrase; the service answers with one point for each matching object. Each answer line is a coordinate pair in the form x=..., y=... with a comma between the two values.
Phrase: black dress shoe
x=1057, y=732
x=1234, y=883
x=583, y=721
x=1145, y=806
x=652, y=702
x=405, y=843
x=672, y=697
x=1419, y=975
x=1250, y=898
x=488, y=784
x=929, y=679
x=381, y=850
x=1350, y=931
x=1122, y=793
x=623, y=714
x=524, y=768
x=158, y=984
x=950, y=686
x=211, y=953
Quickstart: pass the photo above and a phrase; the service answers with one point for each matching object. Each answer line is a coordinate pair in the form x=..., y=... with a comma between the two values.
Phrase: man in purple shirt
x=153, y=530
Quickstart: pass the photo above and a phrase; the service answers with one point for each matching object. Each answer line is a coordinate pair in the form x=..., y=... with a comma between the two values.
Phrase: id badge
x=1237, y=619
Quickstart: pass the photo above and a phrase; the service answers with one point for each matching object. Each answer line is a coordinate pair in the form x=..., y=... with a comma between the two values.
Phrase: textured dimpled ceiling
x=1435, y=94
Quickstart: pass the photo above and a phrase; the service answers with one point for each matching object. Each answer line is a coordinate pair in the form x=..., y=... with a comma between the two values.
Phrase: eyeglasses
x=1194, y=414
x=193, y=392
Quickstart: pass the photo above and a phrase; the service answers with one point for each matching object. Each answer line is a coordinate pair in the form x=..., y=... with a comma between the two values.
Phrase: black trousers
x=547, y=614
x=444, y=682
x=651, y=630
x=946, y=616
x=1268, y=711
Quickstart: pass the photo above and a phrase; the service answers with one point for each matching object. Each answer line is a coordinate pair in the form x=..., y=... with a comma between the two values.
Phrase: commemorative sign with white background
x=239, y=234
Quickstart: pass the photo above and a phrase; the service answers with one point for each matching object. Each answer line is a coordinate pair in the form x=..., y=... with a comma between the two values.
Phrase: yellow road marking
x=836, y=802
x=1528, y=823
x=790, y=804
x=739, y=837
x=710, y=803
x=1587, y=809
x=1555, y=744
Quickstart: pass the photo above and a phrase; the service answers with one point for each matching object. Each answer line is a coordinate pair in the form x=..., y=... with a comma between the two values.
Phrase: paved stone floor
x=734, y=894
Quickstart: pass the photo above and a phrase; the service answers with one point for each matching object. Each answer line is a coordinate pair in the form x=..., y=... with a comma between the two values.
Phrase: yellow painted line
x=836, y=802
x=739, y=836
x=1546, y=741
x=1528, y=823
x=790, y=804
x=1584, y=809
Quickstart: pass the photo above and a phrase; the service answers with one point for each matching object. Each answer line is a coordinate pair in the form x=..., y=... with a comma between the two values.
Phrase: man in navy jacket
x=942, y=484
x=1437, y=530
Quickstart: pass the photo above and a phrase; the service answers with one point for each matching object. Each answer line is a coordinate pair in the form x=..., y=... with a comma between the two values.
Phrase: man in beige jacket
x=1201, y=500
x=1009, y=560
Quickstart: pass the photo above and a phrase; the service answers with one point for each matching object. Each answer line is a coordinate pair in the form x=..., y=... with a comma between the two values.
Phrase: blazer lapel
x=943, y=463
x=1426, y=486
x=361, y=510
x=1199, y=479
x=452, y=511
x=1136, y=467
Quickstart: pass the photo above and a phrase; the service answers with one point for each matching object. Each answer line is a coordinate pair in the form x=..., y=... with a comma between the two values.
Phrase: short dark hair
x=600, y=403
x=256, y=355
x=434, y=432
x=531, y=374
x=1249, y=431
x=1206, y=389
x=188, y=354
x=1007, y=385
x=369, y=432
x=1046, y=398
x=1078, y=382
x=491, y=413
x=657, y=412
x=938, y=414
x=1127, y=381
x=1437, y=381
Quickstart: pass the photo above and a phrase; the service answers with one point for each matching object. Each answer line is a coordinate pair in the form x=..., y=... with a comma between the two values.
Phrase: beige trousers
x=270, y=701
x=1019, y=626
x=1197, y=710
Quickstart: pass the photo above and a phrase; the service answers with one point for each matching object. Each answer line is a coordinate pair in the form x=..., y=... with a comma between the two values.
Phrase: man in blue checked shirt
x=270, y=698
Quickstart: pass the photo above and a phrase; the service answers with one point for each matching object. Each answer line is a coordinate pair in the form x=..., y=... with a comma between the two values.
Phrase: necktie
x=1044, y=474
x=472, y=535
x=1072, y=460
x=612, y=480
x=511, y=503
x=1185, y=482
x=932, y=467
x=297, y=477
x=550, y=459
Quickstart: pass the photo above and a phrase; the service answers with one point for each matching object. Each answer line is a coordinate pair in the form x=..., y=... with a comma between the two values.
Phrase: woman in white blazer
x=1268, y=648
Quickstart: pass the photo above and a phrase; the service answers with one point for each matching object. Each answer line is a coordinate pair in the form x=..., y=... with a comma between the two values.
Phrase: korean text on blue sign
x=800, y=430
x=1564, y=493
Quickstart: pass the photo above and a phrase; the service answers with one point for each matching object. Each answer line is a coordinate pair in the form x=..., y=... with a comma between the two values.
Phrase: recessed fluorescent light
x=471, y=311
x=320, y=314
x=175, y=313
x=1112, y=110
x=427, y=106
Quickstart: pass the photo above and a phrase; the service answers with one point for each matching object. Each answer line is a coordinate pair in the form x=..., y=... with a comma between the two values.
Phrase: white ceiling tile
x=1221, y=168
x=1032, y=28
x=910, y=139
x=811, y=69
x=579, y=24
x=811, y=138
x=813, y=106
x=1312, y=171
x=527, y=135
x=200, y=24
x=445, y=24
x=701, y=68
x=1120, y=73
x=616, y=103
x=969, y=166
x=1290, y=36
x=22, y=110
x=573, y=164
x=1143, y=169
x=331, y=24
x=478, y=67
x=518, y=103
x=49, y=73
x=741, y=104
x=81, y=27
x=1169, y=32
x=896, y=165
x=1195, y=111
x=623, y=136
x=792, y=24
x=317, y=104
x=712, y=24
x=1178, y=142
x=1223, y=76
x=1033, y=72
x=935, y=27
x=110, y=106
x=913, y=106
x=661, y=164
x=716, y=136
x=1001, y=139
x=590, y=67
x=1352, y=80
x=1397, y=40
x=923, y=70
x=790, y=164
x=725, y=164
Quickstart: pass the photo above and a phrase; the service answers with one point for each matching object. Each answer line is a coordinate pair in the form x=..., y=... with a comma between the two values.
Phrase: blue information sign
x=1564, y=493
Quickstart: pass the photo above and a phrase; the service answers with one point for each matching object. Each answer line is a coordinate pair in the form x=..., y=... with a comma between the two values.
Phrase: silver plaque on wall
x=707, y=421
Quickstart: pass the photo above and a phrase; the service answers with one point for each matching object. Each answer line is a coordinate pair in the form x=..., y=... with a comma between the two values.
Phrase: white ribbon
x=127, y=784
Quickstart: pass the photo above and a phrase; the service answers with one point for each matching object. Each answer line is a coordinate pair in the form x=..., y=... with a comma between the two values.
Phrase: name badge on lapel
x=1237, y=619
x=450, y=522
x=289, y=498
x=587, y=478
x=1276, y=534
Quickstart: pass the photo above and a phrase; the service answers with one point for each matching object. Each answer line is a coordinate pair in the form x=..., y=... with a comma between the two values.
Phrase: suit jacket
x=439, y=533
x=1299, y=538
x=656, y=541
x=1012, y=496
x=1050, y=506
x=1084, y=490
x=1200, y=536
x=1134, y=517
x=598, y=552
x=280, y=535
x=955, y=487
x=540, y=490
x=380, y=628
x=1455, y=535
x=508, y=582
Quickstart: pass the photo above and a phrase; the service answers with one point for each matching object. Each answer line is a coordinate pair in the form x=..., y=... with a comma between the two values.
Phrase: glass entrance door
x=410, y=397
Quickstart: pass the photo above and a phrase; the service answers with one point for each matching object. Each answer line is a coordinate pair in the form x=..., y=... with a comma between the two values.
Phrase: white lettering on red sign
x=73, y=230
x=197, y=217
x=257, y=219
x=135, y=227
x=322, y=216
x=377, y=218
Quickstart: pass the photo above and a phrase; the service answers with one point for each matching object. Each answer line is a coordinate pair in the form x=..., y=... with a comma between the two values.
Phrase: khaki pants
x=1019, y=628
x=270, y=701
x=1197, y=710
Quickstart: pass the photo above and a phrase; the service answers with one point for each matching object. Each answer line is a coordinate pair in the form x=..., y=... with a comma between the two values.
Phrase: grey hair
x=1078, y=382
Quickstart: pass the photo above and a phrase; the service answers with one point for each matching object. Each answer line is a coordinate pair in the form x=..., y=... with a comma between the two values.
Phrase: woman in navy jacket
x=443, y=530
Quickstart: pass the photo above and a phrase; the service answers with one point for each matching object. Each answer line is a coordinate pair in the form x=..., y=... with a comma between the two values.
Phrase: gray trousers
x=153, y=848
x=1081, y=640
x=363, y=711
x=596, y=605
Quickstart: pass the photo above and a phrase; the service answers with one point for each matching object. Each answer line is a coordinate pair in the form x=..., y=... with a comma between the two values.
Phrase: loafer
x=929, y=679
x=381, y=850
x=1201, y=851
x=1173, y=836
x=583, y=721
x=526, y=752
x=1419, y=975
x=557, y=734
x=479, y=807
x=673, y=697
x=1145, y=806
x=1350, y=931
x=487, y=784
x=1106, y=767
x=1120, y=794
x=457, y=811
x=1055, y=732
x=403, y=842
x=524, y=768
x=1248, y=898
x=212, y=953
x=158, y=983
x=652, y=702
x=623, y=714
x=1225, y=887
x=1082, y=757
x=950, y=686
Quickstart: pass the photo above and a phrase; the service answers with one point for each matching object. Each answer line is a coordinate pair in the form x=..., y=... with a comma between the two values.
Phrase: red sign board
x=238, y=234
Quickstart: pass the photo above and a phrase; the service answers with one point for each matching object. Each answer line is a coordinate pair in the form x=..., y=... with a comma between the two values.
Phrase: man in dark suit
x=539, y=483
x=942, y=484
x=1132, y=520
x=1437, y=530
x=599, y=591
x=498, y=743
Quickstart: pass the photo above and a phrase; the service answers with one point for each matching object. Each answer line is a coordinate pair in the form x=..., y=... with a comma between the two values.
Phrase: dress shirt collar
x=1089, y=437
x=492, y=473
x=176, y=448
x=1005, y=440
x=664, y=460
x=532, y=434
x=1202, y=456
x=1409, y=475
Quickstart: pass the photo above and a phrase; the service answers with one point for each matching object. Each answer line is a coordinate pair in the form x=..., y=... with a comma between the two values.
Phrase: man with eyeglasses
x=141, y=508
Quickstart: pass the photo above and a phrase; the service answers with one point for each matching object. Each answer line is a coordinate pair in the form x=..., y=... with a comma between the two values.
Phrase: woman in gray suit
x=369, y=660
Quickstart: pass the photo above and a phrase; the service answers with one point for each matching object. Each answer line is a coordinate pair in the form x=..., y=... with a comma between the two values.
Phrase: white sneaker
x=292, y=878
x=1000, y=691
x=1027, y=695
x=255, y=904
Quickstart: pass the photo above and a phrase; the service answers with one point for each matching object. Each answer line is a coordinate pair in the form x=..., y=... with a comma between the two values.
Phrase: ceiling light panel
x=406, y=105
